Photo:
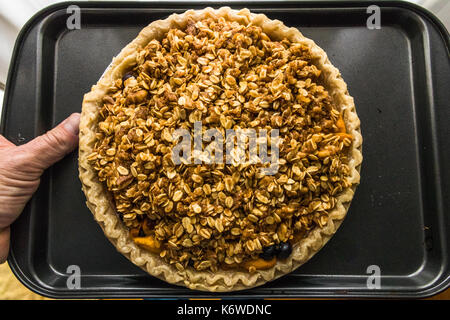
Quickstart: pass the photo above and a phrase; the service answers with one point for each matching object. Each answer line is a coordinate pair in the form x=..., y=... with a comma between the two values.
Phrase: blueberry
x=127, y=76
x=268, y=253
x=277, y=248
x=285, y=250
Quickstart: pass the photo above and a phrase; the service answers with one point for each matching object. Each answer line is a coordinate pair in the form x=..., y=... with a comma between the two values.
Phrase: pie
x=219, y=220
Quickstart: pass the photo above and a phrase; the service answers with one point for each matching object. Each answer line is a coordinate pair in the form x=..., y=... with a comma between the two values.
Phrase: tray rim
x=67, y=294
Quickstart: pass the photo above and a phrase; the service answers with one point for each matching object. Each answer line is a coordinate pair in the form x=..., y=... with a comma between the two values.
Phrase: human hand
x=22, y=166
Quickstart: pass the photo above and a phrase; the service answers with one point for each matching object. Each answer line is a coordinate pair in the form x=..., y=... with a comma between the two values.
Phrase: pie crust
x=99, y=200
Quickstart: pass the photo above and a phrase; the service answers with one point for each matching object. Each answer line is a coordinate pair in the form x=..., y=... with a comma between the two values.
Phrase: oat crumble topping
x=211, y=216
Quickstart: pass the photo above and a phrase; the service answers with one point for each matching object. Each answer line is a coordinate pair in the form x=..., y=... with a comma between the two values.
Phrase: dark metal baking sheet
x=399, y=76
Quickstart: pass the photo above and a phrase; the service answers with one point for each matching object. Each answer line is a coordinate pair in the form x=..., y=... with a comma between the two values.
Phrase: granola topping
x=211, y=216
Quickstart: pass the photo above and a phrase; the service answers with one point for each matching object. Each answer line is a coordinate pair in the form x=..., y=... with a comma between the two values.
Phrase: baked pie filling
x=221, y=216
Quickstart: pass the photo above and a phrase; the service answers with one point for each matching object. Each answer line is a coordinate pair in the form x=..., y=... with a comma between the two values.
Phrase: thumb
x=52, y=146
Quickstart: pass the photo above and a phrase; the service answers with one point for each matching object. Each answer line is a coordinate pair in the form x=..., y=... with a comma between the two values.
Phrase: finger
x=5, y=142
x=4, y=243
x=52, y=146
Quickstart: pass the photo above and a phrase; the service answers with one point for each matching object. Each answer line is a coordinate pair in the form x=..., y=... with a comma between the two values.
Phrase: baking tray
x=399, y=220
